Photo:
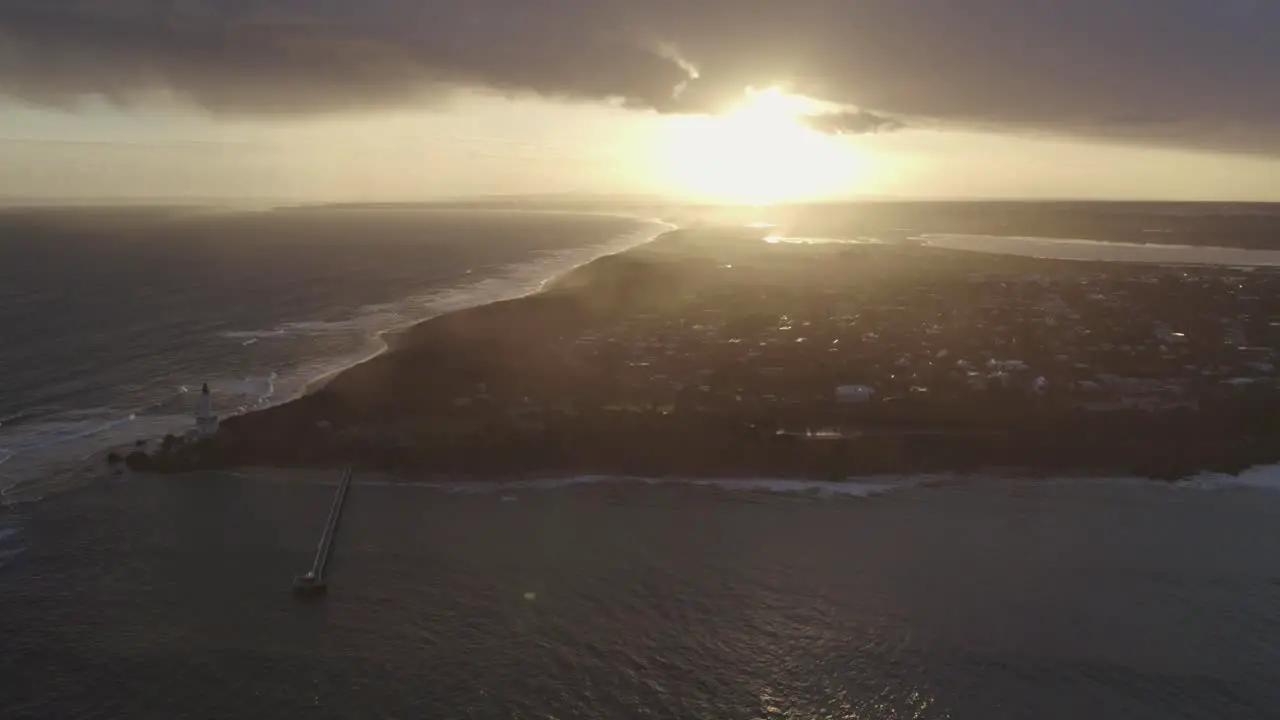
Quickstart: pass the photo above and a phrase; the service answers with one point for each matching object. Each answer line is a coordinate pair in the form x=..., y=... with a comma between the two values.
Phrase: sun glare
x=760, y=153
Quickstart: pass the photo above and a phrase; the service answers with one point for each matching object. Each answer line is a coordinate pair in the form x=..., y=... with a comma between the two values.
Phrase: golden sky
x=483, y=145
x=744, y=101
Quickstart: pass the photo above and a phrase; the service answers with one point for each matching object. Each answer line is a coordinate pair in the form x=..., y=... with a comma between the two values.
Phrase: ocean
x=899, y=597
x=957, y=598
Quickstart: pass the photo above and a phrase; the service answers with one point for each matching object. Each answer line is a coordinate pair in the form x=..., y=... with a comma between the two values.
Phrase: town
x=732, y=351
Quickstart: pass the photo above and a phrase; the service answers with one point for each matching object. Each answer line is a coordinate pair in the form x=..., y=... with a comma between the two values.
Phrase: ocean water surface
x=955, y=598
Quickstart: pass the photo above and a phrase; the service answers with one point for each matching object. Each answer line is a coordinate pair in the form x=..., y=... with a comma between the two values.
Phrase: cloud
x=852, y=122
x=269, y=57
x=1191, y=73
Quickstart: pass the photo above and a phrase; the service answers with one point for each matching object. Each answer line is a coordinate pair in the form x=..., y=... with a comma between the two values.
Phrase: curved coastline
x=389, y=339
x=68, y=435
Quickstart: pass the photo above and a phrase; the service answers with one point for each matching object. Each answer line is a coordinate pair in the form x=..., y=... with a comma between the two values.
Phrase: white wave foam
x=865, y=487
x=798, y=240
x=47, y=455
x=1096, y=250
x=859, y=487
x=49, y=430
x=10, y=418
x=253, y=335
x=253, y=390
x=1259, y=478
x=511, y=281
x=80, y=426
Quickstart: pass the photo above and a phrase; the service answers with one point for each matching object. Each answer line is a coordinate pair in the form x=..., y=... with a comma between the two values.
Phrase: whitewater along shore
x=726, y=353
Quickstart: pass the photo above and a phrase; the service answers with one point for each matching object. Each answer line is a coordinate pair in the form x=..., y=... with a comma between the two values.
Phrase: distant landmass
x=730, y=352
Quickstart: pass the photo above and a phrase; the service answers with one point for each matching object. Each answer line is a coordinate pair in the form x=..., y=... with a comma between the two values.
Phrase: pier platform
x=312, y=583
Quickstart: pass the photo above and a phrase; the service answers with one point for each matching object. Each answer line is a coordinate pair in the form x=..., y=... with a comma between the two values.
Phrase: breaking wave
x=861, y=487
x=370, y=325
x=1260, y=478
x=1266, y=477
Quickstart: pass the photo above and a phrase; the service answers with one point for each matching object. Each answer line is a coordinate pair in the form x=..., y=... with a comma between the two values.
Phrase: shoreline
x=391, y=337
x=1259, y=477
x=33, y=465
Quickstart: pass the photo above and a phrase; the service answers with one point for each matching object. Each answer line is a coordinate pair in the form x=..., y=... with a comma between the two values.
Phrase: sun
x=760, y=153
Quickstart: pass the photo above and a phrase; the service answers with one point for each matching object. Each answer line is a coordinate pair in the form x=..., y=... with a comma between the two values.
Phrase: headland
x=724, y=352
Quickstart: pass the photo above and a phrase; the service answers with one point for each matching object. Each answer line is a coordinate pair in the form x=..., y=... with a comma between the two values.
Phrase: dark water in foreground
x=169, y=598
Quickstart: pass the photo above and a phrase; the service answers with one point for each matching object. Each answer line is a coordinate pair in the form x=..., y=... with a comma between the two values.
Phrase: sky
x=752, y=101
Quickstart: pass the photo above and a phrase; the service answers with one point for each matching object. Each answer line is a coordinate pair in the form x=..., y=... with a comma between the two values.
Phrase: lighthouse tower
x=206, y=421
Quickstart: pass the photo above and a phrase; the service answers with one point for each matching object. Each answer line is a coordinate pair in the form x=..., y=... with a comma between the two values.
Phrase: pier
x=312, y=582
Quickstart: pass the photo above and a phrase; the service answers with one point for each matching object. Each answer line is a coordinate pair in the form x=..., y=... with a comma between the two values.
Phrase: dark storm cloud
x=1198, y=73
x=264, y=56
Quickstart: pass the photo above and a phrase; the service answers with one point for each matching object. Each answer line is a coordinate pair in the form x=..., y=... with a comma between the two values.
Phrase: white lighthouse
x=206, y=421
